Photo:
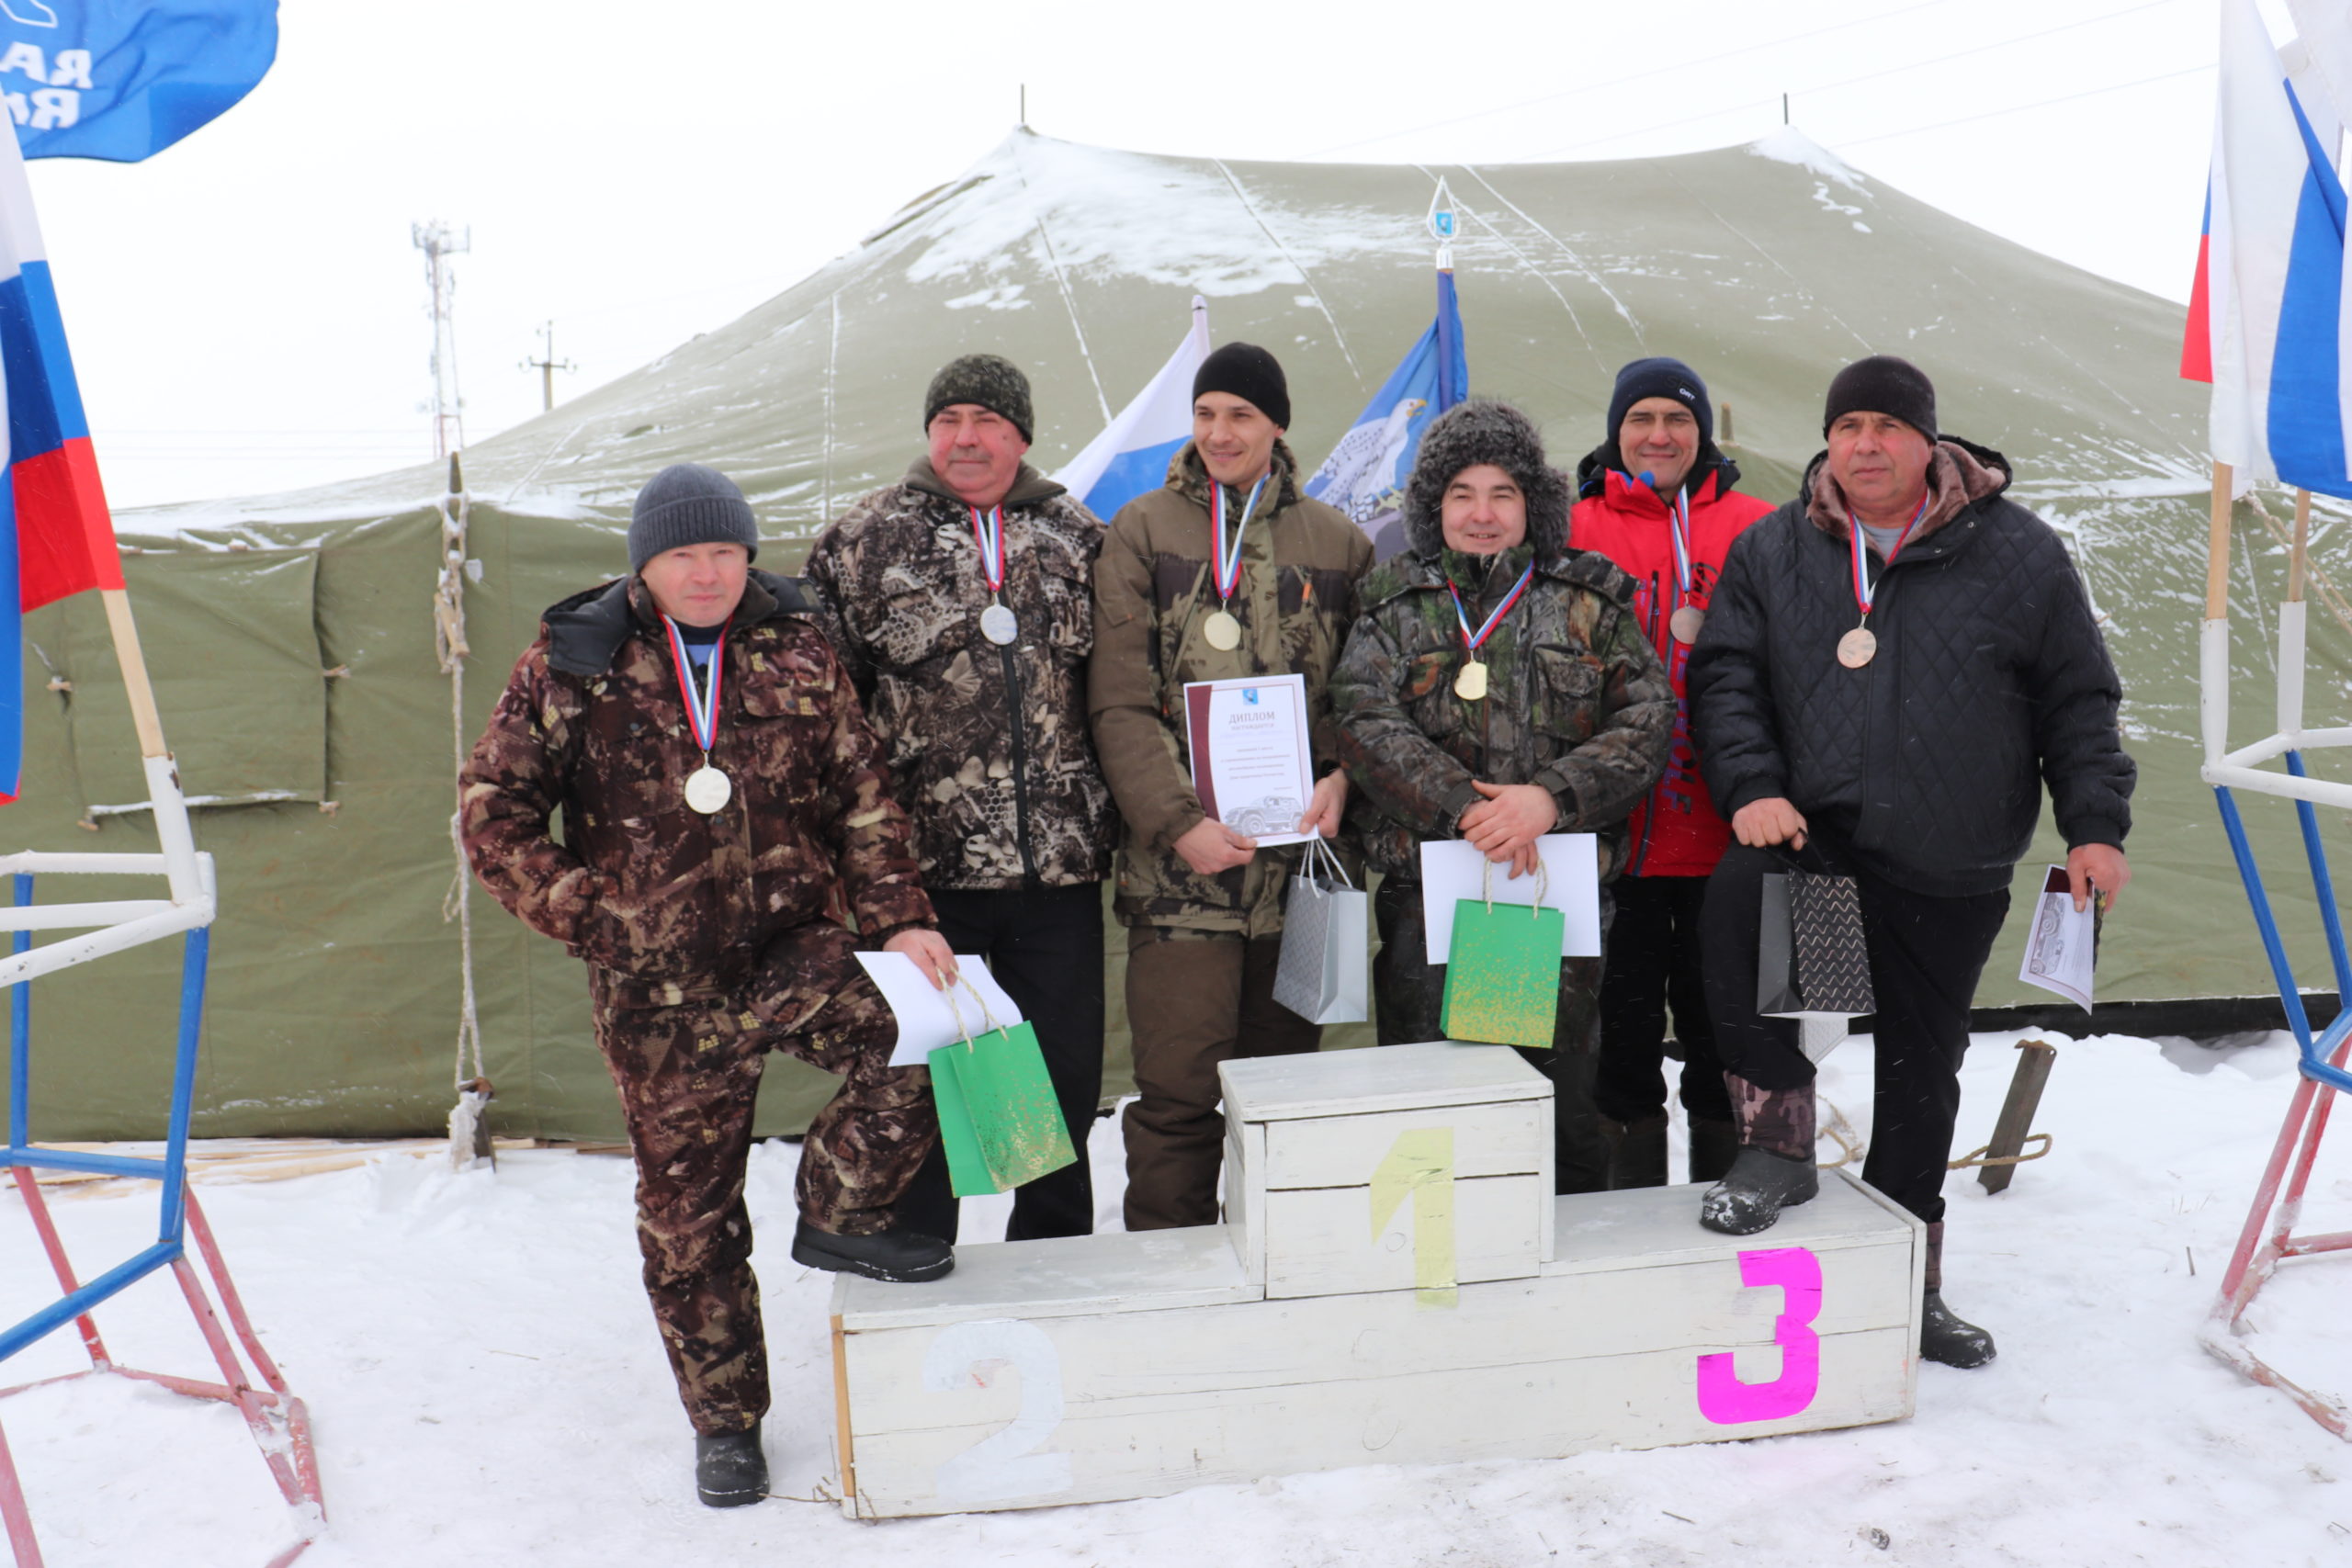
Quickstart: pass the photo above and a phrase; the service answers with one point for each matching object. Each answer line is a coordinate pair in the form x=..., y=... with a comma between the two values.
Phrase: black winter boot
x=1712, y=1144
x=1758, y=1187
x=1944, y=1338
x=731, y=1469
x=1636, y=1152
x=898, y=1256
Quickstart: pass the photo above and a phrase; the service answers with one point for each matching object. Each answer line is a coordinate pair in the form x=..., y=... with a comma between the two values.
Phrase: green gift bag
x=1503, y=975
x=999, y=1119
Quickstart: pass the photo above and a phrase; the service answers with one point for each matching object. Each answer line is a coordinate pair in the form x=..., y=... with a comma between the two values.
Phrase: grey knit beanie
x=1482, y=430
x=686, y=503
x=990, y=380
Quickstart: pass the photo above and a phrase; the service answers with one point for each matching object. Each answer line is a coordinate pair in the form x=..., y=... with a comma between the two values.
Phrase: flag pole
x=172, y=834
x=2291, y=625
x=2213, y=639
x=140, y=689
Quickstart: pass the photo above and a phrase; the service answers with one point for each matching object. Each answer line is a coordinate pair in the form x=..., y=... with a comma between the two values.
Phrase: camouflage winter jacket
x=1576, y=701
x=996, y=803
x=1300, y=560
x=670, y=903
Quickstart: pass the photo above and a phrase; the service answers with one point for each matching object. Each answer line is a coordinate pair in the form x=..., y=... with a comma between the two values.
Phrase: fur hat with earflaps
x=1482, y=430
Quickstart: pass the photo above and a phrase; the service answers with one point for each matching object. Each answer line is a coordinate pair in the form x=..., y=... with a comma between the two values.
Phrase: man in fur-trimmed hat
x=1894, y=664
x=1498, y=687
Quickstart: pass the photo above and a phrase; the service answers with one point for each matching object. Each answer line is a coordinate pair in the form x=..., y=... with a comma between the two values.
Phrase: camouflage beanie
x=1485, y=430
x=994, y=383
x=686, y=503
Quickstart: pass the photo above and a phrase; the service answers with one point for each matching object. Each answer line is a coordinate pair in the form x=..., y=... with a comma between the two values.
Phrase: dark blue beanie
x=1661, y=378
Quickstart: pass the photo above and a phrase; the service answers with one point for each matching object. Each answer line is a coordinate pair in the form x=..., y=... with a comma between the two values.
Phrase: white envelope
x=1451, y=870
x=926, y=1020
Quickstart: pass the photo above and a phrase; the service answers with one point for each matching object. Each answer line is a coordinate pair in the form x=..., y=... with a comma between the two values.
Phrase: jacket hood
x=1482, y=430
x=1029, y=486
x=1960, y=474
x=1593, y=470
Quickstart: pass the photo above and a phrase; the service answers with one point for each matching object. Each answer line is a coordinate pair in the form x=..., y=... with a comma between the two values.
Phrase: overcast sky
x=248, y=313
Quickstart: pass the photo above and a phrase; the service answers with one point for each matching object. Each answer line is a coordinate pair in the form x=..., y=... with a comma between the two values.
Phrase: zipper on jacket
x=1020, y=767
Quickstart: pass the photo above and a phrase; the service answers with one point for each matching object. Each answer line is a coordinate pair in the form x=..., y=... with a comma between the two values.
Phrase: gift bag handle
x=1317, y=846
x=1486, y=890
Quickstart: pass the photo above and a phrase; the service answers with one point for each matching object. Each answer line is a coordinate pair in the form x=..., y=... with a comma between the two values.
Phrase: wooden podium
x=1395, y=1284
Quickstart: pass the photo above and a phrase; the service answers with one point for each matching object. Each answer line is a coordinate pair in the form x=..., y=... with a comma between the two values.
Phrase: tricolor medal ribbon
x=1471, y=685
x=1858, y=647
x=1223, y=632
x=1688, y=619
x=996, y=622
x=708, y=789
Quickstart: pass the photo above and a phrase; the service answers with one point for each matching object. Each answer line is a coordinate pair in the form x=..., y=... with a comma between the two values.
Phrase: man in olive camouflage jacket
x=725, y=814
x=1571, y=731
x=1202, y=904
x=962, y=607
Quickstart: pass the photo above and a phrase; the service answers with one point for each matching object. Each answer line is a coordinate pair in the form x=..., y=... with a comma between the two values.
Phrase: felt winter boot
x=1773, y=1168
x=1944, y=1338
x=1712, y=1144
x=1636, y=1152
x=730, y=1469
x=899, y=1256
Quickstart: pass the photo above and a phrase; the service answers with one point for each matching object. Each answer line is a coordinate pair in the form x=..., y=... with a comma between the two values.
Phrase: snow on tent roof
x=1766, y=266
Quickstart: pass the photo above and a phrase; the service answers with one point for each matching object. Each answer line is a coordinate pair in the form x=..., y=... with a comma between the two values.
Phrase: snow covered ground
x=487, y=1386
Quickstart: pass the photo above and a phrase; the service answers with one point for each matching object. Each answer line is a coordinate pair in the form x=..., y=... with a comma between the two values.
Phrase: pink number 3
x=1727, y=1400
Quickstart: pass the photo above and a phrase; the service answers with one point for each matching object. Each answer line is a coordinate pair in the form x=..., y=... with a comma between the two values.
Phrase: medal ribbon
x=702, y=712
x=991, y=542
x=1863, y=593
x=1228, y=560
x=1677, y=528
x=1471, y=640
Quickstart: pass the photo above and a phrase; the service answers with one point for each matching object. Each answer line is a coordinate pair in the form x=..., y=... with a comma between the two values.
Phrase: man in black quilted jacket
x=1893, y=666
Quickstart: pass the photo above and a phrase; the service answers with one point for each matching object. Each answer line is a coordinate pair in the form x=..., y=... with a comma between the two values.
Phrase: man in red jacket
x=1657, y=498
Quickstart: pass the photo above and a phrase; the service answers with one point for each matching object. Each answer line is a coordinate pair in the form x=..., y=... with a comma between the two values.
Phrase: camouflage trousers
x=689, y=1074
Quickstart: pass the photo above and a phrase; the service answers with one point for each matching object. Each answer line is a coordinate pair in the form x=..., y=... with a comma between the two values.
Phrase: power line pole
x=547, y=366
x=438, y=244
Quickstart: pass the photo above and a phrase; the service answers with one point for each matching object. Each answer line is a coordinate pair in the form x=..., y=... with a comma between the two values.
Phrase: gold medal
x=1685, y=623
x=1856, y=648
x=1222, y=631
x=1471, y=685
x=708, y=789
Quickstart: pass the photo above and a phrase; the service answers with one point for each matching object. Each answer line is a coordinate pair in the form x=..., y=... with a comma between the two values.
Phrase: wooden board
x=1387, y=1078
x=1017, y=1382
x=1319, y=1241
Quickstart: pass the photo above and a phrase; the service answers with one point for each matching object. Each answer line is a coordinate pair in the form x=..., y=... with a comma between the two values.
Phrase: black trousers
x=1409, y=998
x=1044, y=947
x=1653, y=963
x=1925, y=956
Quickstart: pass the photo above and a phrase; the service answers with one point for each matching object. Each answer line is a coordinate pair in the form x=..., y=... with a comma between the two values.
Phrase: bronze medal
x=1000, y=625
x=708, y=789
x=1471, y=685
x=1685, y=623
x=1222, y=631
x=1856, y=648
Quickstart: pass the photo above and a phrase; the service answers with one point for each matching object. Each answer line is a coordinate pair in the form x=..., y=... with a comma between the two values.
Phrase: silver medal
x=708, y=789
x=1685, y=623
x=1000, y=625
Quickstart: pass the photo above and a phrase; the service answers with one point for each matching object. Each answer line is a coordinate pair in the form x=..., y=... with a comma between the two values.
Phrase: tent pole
x=2213, y=638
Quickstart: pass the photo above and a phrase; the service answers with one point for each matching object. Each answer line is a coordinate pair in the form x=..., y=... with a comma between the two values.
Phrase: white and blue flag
x=1131, y=457
x=1365, y=476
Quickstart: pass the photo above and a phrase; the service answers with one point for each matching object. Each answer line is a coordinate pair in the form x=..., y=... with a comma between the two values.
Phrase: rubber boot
x=1636, y=1152
x=730, y=1469
x=899, y=1256
x=1773, y=1168
x=1712, y=1144
x=1944, y=1338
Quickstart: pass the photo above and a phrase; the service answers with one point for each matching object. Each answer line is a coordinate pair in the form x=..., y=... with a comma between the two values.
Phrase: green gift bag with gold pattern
x=998, y=1121
x=1503, y=975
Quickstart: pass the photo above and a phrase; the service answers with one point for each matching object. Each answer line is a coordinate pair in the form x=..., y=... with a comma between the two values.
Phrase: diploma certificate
x=1253, y=765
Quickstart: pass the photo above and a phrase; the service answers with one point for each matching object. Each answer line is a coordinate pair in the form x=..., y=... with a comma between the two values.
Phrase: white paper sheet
x=1251, y=756
x=925, y=1020
x=1450, y=871
x=2061, y=947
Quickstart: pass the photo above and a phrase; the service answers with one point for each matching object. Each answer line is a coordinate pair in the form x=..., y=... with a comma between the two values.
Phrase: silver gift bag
x=1324, y=973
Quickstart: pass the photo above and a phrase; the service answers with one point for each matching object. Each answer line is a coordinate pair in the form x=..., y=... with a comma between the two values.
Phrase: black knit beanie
x=686, y=503
x=1482, y=430
x=1882, y=384
x=1249, y=372
x=1661, y=378
x=993, y=382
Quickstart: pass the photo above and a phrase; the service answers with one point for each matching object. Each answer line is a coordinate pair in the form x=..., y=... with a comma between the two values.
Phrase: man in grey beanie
x=722, y=800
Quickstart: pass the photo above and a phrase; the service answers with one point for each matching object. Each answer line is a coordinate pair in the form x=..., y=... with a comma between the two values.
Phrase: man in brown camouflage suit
x=986, y=740
x=1573, y=729
x=1202, y=904
x=714, y=923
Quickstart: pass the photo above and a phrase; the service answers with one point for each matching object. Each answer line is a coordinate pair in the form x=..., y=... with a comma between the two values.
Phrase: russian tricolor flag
x=2266, y=320
x=1131, y=457
x=56, y=536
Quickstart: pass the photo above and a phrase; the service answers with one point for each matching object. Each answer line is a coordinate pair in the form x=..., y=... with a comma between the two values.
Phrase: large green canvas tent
x=293, y=637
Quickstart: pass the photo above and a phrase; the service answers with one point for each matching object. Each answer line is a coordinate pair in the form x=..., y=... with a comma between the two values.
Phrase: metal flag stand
x=275, y=1417
x=2268, y=1236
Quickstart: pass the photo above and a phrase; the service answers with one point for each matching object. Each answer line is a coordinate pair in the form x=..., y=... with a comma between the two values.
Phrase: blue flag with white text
x=124, y=79
x=1365, y=476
